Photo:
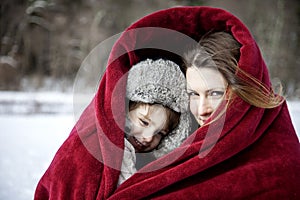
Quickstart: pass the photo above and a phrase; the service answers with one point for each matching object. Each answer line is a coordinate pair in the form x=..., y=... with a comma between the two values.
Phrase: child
x=157, y=120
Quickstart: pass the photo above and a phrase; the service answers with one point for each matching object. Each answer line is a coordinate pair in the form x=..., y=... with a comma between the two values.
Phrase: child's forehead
x=150, y=108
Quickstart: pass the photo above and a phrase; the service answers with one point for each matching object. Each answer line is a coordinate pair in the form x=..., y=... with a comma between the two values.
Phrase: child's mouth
x=137, y=142
x=139, y=147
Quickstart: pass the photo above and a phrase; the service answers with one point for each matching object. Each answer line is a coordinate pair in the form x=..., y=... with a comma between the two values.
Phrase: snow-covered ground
x=294, y=108
x=28, y=144
x=33, y=126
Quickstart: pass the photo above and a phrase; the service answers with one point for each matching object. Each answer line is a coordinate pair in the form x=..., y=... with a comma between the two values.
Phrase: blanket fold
x=249, y=153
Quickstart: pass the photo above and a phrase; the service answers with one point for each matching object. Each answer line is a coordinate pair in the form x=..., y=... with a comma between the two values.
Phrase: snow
x=29, y=102
x=28, y=144
x=294, y=108
x=33, y=126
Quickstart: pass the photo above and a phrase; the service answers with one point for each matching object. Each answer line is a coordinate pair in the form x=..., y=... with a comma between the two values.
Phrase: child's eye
x=162, y=134
x=143, y=122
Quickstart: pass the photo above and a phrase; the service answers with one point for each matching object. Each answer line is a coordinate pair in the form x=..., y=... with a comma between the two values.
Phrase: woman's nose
x=204, y=106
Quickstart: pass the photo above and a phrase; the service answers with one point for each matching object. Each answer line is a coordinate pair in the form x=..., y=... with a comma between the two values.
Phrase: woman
x=210, y=70
x=249, y=152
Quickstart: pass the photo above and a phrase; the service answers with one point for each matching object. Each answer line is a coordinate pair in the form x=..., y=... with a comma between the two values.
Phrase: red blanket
x=254, y=154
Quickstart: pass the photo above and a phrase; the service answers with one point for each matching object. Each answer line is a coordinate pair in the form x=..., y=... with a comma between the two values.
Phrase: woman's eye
x=143, y=122
x=216, y=94
x=193, y=94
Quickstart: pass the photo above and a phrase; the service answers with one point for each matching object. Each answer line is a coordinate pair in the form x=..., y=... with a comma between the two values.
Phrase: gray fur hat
x=162, y=82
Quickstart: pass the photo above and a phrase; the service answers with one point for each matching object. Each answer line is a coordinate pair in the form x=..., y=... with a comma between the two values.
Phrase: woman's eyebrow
x=215, y=88
x=191, y=90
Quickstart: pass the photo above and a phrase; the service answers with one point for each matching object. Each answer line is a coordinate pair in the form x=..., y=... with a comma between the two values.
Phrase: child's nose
x=147, y=139
x=147, y=135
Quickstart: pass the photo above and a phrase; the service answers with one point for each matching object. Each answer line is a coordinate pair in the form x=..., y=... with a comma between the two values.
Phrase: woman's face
x=148, y=127
x=206, y=88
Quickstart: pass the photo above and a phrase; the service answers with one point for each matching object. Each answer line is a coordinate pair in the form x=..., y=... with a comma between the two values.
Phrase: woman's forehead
x=204, y=78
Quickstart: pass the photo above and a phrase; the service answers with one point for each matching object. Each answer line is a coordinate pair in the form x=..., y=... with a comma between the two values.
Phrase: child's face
x=148, y=127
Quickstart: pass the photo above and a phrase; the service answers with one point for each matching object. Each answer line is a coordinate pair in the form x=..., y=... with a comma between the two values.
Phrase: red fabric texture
x=256, y=155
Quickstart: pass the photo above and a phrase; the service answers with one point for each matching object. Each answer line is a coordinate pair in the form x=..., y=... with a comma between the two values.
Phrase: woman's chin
x=200, y=122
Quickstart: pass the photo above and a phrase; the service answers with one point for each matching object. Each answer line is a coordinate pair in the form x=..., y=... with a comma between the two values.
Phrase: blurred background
x=44, y=42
